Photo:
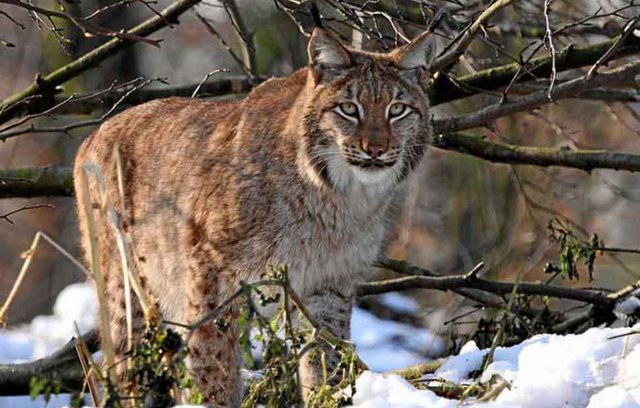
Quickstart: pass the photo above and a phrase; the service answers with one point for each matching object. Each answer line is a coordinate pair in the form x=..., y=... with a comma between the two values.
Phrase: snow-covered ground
x=547, y=371
x=590, y=370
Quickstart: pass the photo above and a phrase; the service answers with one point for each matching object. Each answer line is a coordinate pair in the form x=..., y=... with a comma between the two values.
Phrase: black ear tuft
x=315, y=13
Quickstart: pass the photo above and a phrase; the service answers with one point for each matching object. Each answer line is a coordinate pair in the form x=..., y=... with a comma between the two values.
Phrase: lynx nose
x=374, y=150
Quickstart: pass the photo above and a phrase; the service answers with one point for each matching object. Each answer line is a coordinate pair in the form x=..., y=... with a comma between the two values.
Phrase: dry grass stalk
x=28, y=257
x=94, y=256
x=89, y=368
x=107, y=209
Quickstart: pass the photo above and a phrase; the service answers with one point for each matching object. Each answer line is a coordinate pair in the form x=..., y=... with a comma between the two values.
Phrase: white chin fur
x=346, y=176
x=372, y=176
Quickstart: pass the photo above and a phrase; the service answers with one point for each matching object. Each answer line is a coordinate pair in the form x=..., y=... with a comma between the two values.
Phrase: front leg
x=331, y=310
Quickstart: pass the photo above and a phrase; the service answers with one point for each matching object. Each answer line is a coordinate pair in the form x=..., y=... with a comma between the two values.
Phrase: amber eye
x=396, y=109
x=349, y=108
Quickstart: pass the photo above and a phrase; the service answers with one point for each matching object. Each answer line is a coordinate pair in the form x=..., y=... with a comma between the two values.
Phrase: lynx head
x=366, y=113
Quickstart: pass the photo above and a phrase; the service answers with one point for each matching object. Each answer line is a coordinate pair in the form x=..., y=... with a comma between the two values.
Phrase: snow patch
x=399, y=302
x=75, y=305
x=590, y=370
x=386, y=345
x=392, y=391
x=629, y=306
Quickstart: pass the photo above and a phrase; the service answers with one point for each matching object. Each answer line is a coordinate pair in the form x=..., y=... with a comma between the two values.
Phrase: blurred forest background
x=460, y=210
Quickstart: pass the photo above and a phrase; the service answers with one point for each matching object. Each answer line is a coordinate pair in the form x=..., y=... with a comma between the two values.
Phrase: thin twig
x=87, y=28
x=246, y=38
x=205, y=79
x=552, y=48
x=7, y=216
x=212, y=30
x=453, y=53
x=628, y=30
x=28, y=257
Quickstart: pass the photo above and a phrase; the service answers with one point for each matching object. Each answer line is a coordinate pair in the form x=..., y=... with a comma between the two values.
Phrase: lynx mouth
x=368, y=161
x=371, y=164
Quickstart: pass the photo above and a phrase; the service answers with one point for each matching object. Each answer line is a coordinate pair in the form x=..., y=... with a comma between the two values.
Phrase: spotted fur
x=217, y=191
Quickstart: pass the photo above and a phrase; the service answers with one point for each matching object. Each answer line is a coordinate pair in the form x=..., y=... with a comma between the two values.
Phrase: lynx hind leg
x=114, y=295
x=332, y=310
x=110, y=266
x=214, y=357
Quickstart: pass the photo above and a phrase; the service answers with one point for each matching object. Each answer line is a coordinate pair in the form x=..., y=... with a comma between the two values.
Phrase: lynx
x=302, y=172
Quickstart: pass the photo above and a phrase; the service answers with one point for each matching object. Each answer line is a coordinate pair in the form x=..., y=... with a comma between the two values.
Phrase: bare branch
x=62, y=366
x=628, y=29
x=450, y=56
x=88, y=28
x=246, y=38
x=496, y=152
x=7, y=216
x=67, y=128
x=93, y=102
x=36, y=182
x=442, y=89
x=45, y=85
x=600, y=94
x=57, y=180
x=13, y=20
x=622, y=75
x=404, y=268
x=446, y=89
x=212, y=30
x=473, y=282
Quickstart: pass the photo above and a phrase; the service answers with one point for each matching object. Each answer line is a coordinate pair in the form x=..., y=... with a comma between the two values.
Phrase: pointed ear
x=326, y=52
x=418, y=53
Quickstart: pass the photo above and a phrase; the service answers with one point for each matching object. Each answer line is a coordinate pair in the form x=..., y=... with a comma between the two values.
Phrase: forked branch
x=43, y=87
x=472, y=281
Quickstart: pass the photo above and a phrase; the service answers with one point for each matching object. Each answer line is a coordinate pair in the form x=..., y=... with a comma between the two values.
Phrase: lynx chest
x=332, y=245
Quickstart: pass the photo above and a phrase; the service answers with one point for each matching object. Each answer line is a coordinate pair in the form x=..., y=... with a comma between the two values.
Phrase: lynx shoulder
x=301, y=172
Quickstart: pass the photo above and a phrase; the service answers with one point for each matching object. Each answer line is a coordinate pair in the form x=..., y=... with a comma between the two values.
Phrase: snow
x=378, y=391
x=75, y=311
x=590, y=370
x=400, y=302
x=75, y=306
x=629, y=305
x=547, y=371
x=385, y=345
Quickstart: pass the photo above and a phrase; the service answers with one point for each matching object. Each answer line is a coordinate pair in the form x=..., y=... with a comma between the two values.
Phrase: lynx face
x=370, y=110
